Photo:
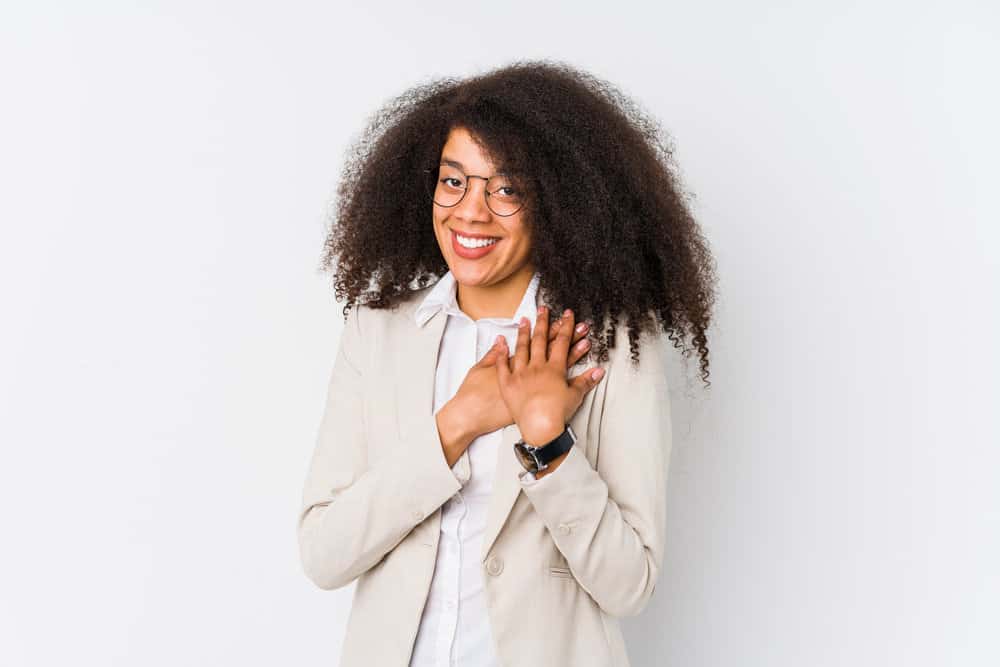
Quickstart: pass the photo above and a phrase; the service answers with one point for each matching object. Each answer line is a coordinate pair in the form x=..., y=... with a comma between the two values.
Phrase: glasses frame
x=486, y=190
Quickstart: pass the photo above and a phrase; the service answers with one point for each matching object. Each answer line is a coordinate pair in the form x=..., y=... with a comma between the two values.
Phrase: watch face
x=528, y=461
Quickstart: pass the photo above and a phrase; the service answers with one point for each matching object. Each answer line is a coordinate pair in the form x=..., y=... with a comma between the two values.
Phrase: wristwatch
x=533, y=459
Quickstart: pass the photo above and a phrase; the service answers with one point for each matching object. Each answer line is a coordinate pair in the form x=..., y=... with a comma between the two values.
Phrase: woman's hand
x=534, y=386
x=477, y=405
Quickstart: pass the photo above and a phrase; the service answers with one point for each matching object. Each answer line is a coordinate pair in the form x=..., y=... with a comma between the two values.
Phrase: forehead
x=462, y=151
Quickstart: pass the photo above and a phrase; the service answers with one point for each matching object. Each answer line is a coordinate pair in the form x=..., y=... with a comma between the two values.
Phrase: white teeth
x=474, y=243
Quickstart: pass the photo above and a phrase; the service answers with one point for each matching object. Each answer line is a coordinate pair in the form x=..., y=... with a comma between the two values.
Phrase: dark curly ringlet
x=612, y=235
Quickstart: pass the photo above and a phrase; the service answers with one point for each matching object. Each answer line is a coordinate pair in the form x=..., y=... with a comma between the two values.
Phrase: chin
x=470, y=275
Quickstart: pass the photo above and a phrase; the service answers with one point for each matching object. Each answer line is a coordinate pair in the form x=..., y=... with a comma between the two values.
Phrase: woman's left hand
x=533, y=384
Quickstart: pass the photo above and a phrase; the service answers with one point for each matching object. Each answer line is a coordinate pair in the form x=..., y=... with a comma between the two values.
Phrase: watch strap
x=550, y=451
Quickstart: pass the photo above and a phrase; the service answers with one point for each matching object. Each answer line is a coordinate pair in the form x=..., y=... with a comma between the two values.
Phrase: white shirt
x=455, y=628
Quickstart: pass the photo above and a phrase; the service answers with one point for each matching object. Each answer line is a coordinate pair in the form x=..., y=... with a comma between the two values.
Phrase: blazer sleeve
x=354, y=512
x=610, y=522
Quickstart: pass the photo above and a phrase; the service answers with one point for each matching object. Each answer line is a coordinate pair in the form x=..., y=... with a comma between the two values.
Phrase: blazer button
x=417, y=515
x=494, y=565
x=564, y=529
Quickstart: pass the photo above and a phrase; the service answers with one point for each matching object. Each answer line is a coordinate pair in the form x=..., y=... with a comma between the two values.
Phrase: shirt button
x=494, y=565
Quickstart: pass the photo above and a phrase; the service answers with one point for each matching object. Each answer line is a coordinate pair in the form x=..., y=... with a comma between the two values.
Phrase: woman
x=497, y=501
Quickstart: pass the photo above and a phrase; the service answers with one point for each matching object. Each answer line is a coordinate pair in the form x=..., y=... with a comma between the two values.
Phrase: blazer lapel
x=506, y=487
x=416, y=355
x=415, y=368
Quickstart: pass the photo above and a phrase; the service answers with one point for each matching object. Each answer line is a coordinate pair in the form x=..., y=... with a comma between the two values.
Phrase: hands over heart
x=533, y=382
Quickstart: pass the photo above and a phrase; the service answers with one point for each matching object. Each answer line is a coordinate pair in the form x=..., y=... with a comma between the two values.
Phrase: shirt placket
x=452, y=565
x=457, y=510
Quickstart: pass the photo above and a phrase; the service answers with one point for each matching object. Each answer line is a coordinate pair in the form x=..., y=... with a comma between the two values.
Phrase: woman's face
x=506, y=258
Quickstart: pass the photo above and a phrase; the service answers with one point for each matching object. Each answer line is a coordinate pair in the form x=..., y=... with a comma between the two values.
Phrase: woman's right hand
x=477, y=407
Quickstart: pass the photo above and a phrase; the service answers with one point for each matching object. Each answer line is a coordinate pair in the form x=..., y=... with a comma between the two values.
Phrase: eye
x=457, y=184
x=506, y=191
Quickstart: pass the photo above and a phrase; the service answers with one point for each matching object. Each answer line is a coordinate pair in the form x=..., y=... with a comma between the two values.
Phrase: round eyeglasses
x=446, y=185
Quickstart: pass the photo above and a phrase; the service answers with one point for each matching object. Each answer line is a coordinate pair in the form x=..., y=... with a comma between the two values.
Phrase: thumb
x=503, y=368
x=491, y=355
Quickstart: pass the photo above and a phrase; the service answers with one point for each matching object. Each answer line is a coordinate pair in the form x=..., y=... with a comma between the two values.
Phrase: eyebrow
x=459, y=165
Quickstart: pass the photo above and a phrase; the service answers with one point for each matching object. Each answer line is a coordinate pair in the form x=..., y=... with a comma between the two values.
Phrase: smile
x=472, y=248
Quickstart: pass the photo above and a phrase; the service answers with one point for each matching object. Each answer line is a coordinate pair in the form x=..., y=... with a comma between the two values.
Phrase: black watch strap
x=546, y=453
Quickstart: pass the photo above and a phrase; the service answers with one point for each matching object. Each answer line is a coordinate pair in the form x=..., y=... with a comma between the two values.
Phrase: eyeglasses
x=446, y=186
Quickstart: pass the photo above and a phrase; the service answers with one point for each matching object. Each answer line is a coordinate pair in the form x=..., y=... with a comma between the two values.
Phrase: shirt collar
x=443, y=296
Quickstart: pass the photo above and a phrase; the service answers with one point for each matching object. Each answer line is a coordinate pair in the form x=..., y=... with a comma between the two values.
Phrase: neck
x=496, y=300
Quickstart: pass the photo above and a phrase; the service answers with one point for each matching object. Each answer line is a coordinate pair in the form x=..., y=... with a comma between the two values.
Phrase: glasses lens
x=446, y=185
x=504, y=195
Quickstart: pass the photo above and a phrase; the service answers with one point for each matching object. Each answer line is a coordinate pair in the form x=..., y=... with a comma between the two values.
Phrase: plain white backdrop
x=166, y=171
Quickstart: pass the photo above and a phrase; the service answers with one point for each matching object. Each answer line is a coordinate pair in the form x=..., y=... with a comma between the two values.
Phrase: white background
x=166, y=171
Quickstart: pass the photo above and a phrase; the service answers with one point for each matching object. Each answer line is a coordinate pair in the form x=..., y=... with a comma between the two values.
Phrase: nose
x=473, y=205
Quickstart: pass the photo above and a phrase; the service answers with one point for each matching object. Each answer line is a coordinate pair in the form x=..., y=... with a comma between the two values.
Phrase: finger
x=577, y=332
x=492, y=354
x=580, y=344
x=586, y=381
x=521, y=356
x=578, y=351
x=540, y=336
x=503, y=363
x=560, y=347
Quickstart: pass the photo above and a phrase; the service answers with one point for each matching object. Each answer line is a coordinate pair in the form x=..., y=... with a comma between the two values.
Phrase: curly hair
x=612, y=234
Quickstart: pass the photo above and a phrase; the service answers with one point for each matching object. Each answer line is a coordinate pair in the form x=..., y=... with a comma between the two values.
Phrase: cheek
x=522, y=240
x=439, y=229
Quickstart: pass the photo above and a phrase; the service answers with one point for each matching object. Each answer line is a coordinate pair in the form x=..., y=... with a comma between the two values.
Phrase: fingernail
x=566, y=312
x=523, y=322
x=598, y=374
x=581, y=327
x=541, y=310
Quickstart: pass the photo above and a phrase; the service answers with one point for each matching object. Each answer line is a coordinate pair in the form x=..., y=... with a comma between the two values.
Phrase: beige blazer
x=562, y=560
